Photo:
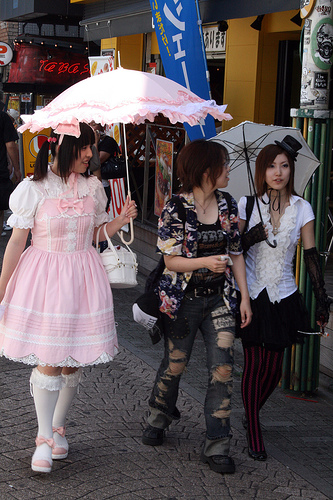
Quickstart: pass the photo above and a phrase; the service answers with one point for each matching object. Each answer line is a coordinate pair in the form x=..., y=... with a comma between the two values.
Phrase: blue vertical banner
x=177, y=30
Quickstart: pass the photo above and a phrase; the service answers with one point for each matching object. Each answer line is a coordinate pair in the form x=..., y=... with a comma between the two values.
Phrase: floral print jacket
x=177, y=238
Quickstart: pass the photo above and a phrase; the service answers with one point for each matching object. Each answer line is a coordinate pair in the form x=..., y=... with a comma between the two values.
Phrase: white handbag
x=119, y=263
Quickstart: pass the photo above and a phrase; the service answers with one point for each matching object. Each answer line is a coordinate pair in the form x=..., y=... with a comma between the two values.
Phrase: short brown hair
x=198, y=157
x=264, y=159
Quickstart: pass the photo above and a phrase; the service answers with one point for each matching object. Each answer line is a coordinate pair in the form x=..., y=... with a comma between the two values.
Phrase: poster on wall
x=163, y=175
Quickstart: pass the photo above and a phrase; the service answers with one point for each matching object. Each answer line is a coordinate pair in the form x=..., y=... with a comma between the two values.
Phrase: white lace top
x=272, y=268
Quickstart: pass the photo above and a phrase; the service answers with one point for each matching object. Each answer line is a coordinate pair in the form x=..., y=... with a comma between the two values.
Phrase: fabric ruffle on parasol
x=122, y=96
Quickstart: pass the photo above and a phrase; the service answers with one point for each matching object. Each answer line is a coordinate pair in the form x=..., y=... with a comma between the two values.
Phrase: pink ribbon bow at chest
x=75, y=203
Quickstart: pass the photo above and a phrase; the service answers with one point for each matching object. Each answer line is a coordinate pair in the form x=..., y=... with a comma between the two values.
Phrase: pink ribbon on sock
x=60, y=430
x=41, y=440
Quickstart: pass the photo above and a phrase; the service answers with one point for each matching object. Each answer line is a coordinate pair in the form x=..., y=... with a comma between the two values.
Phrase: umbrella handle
x=131, y=233
x=272, y=245
x=131, y=228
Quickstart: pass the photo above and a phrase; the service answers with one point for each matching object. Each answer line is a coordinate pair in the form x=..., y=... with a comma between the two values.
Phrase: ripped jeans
x=211, y=316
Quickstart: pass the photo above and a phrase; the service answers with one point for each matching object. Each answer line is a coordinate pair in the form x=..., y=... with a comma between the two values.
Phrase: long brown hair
x=265, y=158
x=198, y=157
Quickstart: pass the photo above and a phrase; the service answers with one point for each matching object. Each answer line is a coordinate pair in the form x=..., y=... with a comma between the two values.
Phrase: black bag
x=6, y=189
x=113, y=168
x=148, y=302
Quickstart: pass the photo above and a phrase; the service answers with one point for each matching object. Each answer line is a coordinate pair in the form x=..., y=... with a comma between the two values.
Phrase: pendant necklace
x=204, y=209
x=276, y=223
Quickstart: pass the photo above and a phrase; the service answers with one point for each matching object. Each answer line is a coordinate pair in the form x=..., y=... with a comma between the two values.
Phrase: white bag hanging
x=120, y=264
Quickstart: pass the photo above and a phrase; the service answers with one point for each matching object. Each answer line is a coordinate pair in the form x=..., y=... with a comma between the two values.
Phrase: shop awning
x=128, y=17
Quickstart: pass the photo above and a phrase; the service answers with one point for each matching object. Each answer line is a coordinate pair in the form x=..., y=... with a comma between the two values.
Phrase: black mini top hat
x=291, y=145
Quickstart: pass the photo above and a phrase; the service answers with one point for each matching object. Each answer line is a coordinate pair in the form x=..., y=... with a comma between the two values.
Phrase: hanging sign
x=177, y=30
x=6, y=54
x=25, y=97
x=214, y=39
x=101, y=64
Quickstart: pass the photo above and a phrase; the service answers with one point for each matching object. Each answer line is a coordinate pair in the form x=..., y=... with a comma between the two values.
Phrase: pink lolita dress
x=58, y=302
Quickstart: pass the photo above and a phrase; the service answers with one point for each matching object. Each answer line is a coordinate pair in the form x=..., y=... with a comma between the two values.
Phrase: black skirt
x=276, y=324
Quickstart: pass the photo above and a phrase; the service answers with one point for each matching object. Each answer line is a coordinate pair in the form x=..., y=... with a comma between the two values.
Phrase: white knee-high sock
x=45, y=390
x=66, y=396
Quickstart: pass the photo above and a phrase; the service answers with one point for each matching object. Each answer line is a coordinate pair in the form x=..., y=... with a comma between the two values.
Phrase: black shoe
x=256, y=455
x=244, y=421
x=153, y=436
x=219, y=463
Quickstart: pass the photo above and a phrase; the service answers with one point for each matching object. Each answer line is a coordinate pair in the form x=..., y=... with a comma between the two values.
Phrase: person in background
x=8, y=150
x=278, y=309
x=197, y=291
x=56, y=297
x=106, y=147
x=14, y=115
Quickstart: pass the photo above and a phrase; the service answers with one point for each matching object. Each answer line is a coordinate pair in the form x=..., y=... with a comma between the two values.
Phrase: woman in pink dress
x=57, y=301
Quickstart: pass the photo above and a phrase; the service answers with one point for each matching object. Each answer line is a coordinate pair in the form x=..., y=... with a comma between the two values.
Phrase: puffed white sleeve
x=306, y=213
x=100, y=203
x=23, y=202
x=242, y=208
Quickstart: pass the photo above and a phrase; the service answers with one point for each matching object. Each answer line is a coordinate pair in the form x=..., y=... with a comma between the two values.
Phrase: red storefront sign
x=37, y=64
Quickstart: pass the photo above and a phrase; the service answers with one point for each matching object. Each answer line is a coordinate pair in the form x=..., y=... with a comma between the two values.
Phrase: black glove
x=254, y=235
x=311, y=259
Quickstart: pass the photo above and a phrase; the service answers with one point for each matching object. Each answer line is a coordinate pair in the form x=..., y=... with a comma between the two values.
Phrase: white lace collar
x=270, y=261
x=56, y=187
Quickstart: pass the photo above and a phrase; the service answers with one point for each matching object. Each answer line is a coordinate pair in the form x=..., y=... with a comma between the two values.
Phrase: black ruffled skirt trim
x=276, y=324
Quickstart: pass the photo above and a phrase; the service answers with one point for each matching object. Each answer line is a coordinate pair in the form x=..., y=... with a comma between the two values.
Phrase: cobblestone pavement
x=107, y=459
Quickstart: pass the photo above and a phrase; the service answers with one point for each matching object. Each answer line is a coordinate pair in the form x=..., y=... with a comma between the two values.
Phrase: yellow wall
x=240, y=71
x=251, y=66
x=154, y=44
x=130, y=49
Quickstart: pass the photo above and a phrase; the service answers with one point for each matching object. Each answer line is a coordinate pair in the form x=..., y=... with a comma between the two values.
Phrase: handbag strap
x=110, y=245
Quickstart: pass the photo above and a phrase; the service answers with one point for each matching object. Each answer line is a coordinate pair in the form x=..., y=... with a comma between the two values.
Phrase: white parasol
x=245, y=141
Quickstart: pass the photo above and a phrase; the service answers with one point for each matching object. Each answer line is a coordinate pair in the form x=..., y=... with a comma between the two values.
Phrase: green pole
x=304, y=370
x=286, y=368
x=321, y=190
x=298, y=367
x=309, y=293
x=328, y=159
x=310, y=133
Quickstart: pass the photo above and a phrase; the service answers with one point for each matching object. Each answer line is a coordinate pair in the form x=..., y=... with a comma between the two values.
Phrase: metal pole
x=203, y=47
x=146, y=176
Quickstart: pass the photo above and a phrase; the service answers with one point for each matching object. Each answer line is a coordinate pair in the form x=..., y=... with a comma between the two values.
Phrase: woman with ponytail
x=56, y=298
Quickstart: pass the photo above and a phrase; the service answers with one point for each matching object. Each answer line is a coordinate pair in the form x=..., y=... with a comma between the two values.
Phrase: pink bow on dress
x=65, y=203
x=75, y=203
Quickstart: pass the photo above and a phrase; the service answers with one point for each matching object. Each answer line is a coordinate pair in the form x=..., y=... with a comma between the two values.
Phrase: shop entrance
x=288, y=81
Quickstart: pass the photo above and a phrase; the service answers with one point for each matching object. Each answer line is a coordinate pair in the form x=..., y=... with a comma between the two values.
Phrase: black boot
x=153, y=436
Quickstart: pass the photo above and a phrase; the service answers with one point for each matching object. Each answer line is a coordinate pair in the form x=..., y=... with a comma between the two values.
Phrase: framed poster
x=163, y=174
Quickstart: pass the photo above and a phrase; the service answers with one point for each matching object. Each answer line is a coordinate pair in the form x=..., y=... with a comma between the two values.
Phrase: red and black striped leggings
x=262, y=372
